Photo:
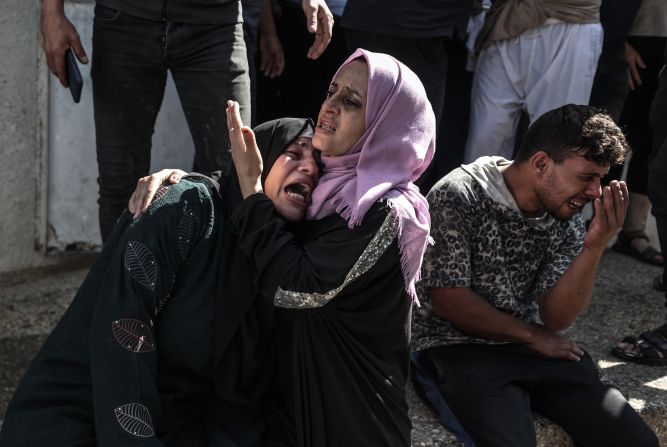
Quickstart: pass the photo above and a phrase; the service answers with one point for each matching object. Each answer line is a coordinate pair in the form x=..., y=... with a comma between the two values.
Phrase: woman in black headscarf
x=165, y=343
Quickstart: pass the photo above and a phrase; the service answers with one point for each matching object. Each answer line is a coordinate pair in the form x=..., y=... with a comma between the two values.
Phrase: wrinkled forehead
x=579, y=165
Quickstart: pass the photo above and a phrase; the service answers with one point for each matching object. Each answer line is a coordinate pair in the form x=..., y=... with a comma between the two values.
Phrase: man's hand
x=319, y=21
x=148, y=186
x=609, y=215
x=635, y=62
x=272, y=57
x=58, y=34
x=552, y=344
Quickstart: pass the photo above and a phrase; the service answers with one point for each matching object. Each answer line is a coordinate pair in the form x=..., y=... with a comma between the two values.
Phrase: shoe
x=650, y=348
x=658, y=284
x=624, y=245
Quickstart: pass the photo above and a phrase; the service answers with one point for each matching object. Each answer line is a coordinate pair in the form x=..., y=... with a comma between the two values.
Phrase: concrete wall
x=19, y=133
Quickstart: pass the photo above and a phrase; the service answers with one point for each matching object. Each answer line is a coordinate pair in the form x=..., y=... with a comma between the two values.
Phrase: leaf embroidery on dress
x=133, y=335
x=161, y=191
x=187, y=230
x=135, y=419
x=140, y=262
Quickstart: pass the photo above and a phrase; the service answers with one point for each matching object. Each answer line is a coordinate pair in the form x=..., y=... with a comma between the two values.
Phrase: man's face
x=292, y=179
x=563, y=189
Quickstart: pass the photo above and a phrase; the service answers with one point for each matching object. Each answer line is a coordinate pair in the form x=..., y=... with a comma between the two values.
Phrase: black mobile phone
x=73, y=75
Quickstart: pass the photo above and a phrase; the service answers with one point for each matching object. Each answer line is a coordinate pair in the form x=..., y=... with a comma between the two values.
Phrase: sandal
x=649, y=254
x=652, y=348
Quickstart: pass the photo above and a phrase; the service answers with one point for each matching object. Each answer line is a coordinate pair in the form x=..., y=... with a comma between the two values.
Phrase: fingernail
x=85, y=60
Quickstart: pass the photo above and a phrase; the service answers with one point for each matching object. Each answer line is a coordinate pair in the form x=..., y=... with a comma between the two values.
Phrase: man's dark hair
x=575, y=130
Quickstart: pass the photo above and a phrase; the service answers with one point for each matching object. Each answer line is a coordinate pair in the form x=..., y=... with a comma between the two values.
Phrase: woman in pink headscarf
x=343, y=280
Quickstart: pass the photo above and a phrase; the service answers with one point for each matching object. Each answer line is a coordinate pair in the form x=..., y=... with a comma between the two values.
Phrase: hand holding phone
x=73, y=75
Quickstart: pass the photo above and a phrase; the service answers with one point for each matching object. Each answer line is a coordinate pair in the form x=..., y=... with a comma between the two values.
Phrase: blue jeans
x=131, y=57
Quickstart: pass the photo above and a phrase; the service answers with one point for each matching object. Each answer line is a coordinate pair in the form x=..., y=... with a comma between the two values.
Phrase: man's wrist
x=52, y=7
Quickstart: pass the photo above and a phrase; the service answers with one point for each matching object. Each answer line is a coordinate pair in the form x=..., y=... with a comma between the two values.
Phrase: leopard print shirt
x=491, y=248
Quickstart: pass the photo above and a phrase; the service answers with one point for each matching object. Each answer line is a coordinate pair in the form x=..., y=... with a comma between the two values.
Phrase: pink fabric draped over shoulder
x=395, y=149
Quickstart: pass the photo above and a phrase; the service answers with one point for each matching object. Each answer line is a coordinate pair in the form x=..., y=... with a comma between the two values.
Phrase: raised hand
x=245, y=153
x=610, y=211
x=147, y=187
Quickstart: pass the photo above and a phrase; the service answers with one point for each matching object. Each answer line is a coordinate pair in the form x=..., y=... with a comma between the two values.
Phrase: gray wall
x=19, y=134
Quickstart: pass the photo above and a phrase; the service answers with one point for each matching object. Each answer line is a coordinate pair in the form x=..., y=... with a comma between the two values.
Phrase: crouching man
x=513, y=265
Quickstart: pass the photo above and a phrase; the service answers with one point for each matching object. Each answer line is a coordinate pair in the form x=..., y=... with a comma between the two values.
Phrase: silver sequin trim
x=381, y=241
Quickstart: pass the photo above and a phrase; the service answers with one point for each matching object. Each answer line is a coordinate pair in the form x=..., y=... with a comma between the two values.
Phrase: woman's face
x=291, y=180
x=342, y=118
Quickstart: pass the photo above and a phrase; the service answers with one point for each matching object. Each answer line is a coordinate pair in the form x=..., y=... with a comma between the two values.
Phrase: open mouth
x=326, y=126
x=298, y=191
x=575, y=204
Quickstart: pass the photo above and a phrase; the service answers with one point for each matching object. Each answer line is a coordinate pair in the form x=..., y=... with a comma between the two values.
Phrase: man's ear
x=540, y=163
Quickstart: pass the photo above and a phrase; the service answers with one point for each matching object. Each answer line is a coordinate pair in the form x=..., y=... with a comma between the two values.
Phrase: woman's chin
x=290, y=211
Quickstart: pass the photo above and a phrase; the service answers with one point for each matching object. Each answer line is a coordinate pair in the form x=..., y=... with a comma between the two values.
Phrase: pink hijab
x=395, y=149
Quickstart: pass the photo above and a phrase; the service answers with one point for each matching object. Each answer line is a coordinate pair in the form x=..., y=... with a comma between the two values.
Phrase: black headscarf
x=243, y=324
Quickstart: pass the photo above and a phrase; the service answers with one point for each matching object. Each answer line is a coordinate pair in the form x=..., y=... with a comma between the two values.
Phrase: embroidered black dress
x=342, y=326
x=165, y=343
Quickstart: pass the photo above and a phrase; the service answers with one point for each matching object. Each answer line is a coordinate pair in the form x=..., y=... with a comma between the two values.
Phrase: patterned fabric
x=376, y=248
x=506, y=258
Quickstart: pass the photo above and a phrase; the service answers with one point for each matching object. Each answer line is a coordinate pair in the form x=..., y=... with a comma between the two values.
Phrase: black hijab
x=243, y=324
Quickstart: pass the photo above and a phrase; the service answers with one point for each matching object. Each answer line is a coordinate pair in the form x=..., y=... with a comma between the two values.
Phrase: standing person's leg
x=632, y=240
x=563, y=68
x=129, y=77
x=496, y=101
x=453, y=129
x=651, y=346
x=477, y=382
x=610, y=86
x=661, y=225
x=210, y=66
x=594, y=414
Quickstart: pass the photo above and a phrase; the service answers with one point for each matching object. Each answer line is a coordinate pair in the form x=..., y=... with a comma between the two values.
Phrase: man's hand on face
x=609, y=214
x=554, y=345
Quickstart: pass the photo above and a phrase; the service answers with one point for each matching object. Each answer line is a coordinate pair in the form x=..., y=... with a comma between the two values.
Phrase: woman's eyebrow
x=349, y=89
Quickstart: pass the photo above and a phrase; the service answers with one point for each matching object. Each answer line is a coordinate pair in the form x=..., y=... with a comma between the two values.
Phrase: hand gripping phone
x=73, y=75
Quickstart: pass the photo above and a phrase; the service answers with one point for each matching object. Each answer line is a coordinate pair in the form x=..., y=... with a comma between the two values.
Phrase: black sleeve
x=316, y=266
x=138, y=281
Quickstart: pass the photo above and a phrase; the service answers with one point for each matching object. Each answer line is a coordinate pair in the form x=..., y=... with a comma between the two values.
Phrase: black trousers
x=635, y=116
x=657, y=178
x=493, y=390
x=131, y=57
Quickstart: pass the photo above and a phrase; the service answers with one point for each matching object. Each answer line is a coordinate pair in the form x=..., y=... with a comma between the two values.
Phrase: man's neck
x=521, y=185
